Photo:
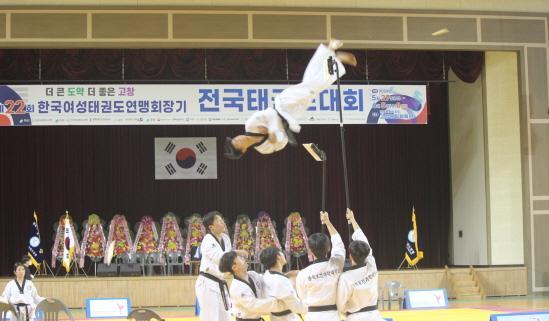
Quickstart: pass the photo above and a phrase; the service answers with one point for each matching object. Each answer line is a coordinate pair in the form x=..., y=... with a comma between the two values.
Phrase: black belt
x=20, y=305
x=323, y=308
x=285, y=123
x=258, y=319
x=364, y=309
x=281, y=313
x=222, y=286
x=265, y=137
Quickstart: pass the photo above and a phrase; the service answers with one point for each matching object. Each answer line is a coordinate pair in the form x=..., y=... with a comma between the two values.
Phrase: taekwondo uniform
x=211, y=288
x=24, y=297
x=357, y=288
x=269, y=119
x=249, y=298
x=293, y=101
x=279, y=286
x=317, y=284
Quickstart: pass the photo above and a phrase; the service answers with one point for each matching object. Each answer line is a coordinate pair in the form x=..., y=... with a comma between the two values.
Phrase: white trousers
x=209, y=298
x=294, y=100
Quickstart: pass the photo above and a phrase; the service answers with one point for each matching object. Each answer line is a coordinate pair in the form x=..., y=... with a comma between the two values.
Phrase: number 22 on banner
x=15, y=107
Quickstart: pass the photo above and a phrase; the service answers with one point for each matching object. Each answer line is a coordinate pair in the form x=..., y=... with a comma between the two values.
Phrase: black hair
x=25, y=259
x=359, y=251
x=209, y=219
x=16, y=265
x=268, y=257
x=319, y=243
x=227, y=261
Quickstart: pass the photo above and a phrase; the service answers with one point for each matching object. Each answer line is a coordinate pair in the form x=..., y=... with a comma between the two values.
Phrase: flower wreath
x=171, y=240
x=93, y=242
x=244, y=235
x=296, y=242
x=265, y=233
x=195, y=234
x=146, y=239
x=120, y=234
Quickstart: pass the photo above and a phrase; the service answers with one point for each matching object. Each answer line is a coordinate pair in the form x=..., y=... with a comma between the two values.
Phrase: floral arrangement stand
x=119, y=233
x=93, y=241
x=146, y=239
x=296, y=241
x=265, y=233
x=171, y=241
x=195, y=234
x=57, y=249
x=243, y=238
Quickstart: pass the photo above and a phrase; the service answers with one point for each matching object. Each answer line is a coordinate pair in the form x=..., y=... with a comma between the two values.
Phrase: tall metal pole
x=323, y=157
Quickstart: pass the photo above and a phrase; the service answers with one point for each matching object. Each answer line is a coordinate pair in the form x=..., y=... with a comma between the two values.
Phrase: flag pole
x=42, y=268
x=73, y=261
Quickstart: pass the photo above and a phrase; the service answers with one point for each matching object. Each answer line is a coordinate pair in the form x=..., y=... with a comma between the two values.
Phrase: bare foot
x=346, y=58
x=335, y=44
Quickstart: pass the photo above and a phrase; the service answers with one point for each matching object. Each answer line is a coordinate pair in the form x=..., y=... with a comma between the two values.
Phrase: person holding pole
x=357, y=289
x=316, y=284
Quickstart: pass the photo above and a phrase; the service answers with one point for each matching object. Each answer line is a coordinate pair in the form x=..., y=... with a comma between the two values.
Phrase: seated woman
x=247, y=290
x=22, y=294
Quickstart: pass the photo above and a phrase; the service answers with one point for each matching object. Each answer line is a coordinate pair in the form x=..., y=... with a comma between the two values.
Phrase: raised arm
x=325, y=219
x=358, y=234
x=351, y=219
x=338, y=248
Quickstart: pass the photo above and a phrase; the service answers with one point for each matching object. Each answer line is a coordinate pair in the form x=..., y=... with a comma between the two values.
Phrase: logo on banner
x=185, y=158
x=13, y=111
x=394, y=107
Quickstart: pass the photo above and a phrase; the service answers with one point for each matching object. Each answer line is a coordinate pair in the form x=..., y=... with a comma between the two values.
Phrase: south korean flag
x=185, y=158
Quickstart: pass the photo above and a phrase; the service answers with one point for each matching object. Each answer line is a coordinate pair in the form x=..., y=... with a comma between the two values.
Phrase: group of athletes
x=322, y=291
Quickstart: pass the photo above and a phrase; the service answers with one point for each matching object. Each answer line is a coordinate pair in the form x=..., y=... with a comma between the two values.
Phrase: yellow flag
x=412, y=253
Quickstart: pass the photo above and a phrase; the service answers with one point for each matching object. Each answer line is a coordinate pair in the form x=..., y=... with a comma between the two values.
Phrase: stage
x=178, y=290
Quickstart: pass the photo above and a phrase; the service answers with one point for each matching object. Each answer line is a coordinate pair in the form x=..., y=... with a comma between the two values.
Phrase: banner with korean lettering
x=25, y=105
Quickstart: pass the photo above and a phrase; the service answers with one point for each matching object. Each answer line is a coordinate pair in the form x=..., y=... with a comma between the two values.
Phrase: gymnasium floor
x=460, y=310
